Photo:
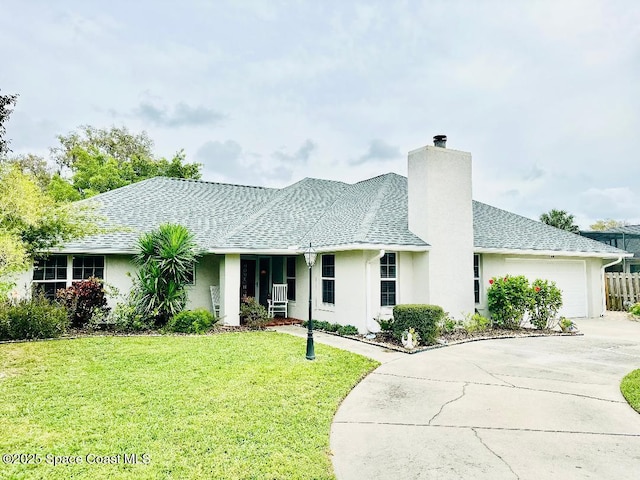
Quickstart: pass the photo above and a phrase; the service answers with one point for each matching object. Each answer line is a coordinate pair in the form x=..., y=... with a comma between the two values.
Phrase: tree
x=560, y=219
x=6, y=103
x=166, y=257
x=33, y=165
x=31, y=221
x=104, y=159
x=607, y=224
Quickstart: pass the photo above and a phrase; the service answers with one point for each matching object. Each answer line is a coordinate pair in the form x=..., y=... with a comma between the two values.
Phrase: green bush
x=477, y=323
x=126, y=317
x=4, y=320
x=347, y=330
x=449, y=325
x=508, y=299
x=385, y=325
x=190, y=321
x=32, y=318
x=424, y=319
x=635, y=310
x=546, y=300
x=333, y=327
x=252, y=314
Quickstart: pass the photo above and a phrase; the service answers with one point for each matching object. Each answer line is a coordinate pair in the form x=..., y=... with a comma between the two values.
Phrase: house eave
x=298, y=249
x=551, y=253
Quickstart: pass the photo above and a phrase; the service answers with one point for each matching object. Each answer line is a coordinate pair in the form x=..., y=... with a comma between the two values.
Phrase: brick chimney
x=441, y=213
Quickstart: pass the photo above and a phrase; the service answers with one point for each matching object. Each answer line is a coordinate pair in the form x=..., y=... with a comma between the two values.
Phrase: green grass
x=630, y=388
x=237, y=406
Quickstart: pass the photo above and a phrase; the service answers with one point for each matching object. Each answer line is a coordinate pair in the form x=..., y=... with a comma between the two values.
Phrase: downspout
x=371, y=325
x=604, y=300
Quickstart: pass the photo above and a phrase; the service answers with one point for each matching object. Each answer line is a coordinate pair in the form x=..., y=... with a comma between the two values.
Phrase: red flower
x=537, y=289
x=491, y=282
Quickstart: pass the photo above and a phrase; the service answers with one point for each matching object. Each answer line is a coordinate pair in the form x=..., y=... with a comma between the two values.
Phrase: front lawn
x=237, y=405
x=630, y=388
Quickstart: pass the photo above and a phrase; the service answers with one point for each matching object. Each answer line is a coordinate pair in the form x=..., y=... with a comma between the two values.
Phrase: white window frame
x=327, y=278
x=73, y=258
x=389, y=279
x=477, y=278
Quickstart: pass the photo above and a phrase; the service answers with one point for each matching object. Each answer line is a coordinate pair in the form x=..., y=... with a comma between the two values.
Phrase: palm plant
x=165, y=259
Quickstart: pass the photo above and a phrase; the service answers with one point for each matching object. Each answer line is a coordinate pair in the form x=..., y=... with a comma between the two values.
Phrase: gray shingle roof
x=498, y=229
x=328, y=213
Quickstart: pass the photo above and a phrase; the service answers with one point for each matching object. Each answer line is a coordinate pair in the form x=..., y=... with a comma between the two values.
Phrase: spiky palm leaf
x=165, y=257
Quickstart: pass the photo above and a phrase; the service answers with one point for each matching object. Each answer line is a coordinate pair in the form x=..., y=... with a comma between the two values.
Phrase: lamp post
x=310, y=257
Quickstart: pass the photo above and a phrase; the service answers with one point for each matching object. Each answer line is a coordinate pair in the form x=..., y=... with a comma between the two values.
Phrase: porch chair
x=278, y=301
x=215, y=299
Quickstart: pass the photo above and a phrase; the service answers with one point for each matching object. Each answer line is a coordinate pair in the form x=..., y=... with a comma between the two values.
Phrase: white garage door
x=569, y=275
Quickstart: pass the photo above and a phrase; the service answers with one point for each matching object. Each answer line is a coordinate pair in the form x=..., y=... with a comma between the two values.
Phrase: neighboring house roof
x=328, y=213
x=626, y=237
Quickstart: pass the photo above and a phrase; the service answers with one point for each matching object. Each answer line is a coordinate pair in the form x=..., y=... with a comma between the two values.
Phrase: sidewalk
x=380, y=354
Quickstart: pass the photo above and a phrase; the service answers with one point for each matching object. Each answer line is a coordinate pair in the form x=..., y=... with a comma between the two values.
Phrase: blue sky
x=544, y=94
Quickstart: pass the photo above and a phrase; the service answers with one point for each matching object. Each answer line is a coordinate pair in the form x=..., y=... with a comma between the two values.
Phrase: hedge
x=424, y=319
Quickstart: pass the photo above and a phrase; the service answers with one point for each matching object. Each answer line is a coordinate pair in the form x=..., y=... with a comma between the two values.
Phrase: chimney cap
x=440, y=141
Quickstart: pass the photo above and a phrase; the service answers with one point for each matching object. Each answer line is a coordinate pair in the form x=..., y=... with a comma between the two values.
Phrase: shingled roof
x=328, y=213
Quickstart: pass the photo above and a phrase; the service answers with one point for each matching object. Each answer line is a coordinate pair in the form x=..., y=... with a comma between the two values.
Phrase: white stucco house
x=382, y=241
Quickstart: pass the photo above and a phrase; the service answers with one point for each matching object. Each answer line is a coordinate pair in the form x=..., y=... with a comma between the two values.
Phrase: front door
x=264, y=280
x=247, y=277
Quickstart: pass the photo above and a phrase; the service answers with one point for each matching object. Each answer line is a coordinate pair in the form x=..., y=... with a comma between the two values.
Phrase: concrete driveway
x=530, y=408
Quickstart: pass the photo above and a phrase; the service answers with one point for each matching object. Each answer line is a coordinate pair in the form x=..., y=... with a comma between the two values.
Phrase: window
x=476, y=277
x=50, y=274
x=328, y=279
x=388, y=280
x=88, y=266
x=291, y=278
x=191, y=275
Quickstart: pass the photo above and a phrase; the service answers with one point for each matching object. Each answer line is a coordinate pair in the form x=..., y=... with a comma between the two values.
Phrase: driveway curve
x=526, y=408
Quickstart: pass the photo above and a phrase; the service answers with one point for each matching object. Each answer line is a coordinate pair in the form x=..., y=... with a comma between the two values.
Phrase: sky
x=544, y=94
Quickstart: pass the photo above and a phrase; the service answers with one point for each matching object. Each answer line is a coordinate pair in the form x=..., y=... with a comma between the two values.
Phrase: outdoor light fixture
x=310, y=257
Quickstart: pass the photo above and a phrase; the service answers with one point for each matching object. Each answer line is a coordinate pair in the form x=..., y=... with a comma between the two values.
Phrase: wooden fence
x=621, y=290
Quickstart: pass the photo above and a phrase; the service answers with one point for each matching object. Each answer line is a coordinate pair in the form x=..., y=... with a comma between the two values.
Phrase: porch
x=253, y=275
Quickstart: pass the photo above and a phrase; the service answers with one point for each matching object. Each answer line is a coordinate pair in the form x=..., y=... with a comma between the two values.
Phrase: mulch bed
x=386, y=340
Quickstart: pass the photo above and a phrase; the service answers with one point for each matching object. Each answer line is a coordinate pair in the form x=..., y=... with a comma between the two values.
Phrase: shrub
x=252, y=314
x=508, y=299
x=347, y=330
x=477, y=323
x=4, y=320
x=32, y=318
x=191, y=321
x=635, y=309
x=546, y=300
x=126, y=317
x=449, y=325
x=385, y=325
x=424, y=319
x=81, y=300
x=165, y=257
x=333, y=327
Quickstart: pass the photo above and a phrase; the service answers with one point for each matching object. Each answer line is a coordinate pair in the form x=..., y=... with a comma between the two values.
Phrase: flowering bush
x=546, y=300
x=508, y=299
x=81, y=300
